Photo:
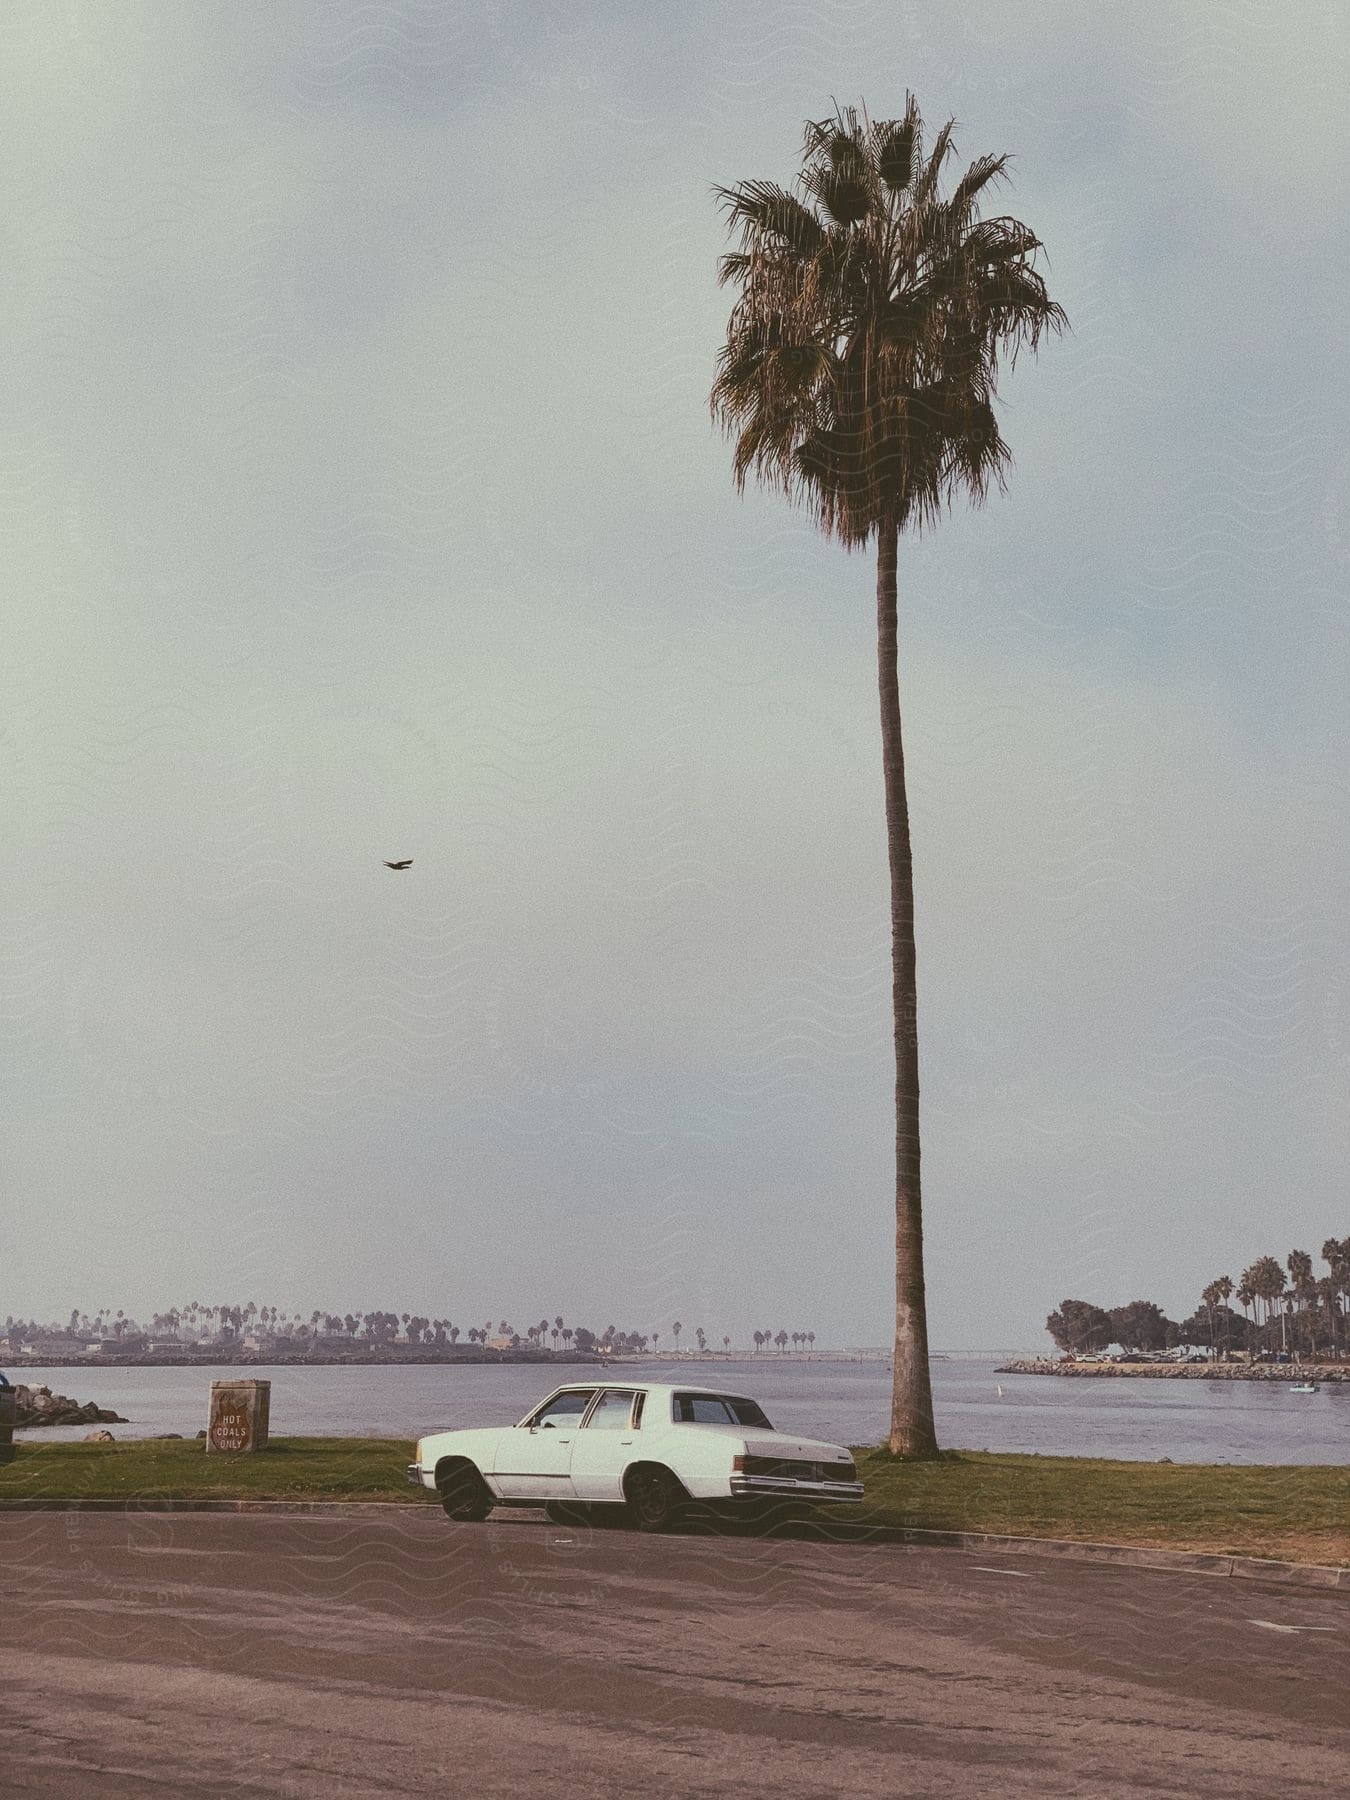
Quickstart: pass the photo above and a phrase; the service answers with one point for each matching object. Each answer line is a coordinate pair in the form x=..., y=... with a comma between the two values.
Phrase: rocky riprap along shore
x=40, y=1406
x=1285, y=1372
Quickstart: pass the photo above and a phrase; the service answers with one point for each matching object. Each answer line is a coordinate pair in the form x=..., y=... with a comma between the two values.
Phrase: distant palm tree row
x=1285, y=1308
x=226, y=1323
x=1291, y=1307
x=762, y=1340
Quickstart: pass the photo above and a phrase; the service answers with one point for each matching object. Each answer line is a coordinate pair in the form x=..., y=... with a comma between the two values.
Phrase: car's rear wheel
x=464, y=1494
x=656, y=1501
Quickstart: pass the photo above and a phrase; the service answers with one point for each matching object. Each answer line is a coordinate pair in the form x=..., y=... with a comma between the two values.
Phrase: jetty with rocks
x=1178, y=1371
x=40, y=1406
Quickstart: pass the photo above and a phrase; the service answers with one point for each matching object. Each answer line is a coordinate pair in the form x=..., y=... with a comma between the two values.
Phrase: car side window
x=562, y=1409
x=701, y=1409
x=613, y=1411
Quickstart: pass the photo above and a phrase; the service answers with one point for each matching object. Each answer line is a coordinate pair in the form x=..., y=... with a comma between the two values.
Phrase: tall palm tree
x=1265, y=1282
x=1329, y=1296
x=858, y=376
x=1210, y=1298
x=1300, y=1266
x=1336, y=1255
x=1223, y=1287
x=1246, y=1299
x=1272, y=1278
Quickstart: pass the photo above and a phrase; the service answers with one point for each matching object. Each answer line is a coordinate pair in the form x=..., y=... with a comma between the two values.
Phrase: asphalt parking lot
x=382, y=1653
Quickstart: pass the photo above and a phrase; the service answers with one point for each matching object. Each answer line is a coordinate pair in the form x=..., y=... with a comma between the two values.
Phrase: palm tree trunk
x=912, y=1430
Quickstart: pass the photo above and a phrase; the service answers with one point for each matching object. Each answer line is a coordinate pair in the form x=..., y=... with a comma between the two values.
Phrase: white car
x=651, y=1447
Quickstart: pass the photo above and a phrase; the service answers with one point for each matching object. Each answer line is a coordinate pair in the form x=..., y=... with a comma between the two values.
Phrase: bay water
x=846, y=1402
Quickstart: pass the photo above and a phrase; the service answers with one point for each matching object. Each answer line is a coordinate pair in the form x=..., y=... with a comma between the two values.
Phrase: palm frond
x=926, y=182
x=736, y=266
x=973, y=183
x=816, y=137
x=844, y=195
x=999, y=240
x=899, y=146
x=820, y=135
x=762, y=209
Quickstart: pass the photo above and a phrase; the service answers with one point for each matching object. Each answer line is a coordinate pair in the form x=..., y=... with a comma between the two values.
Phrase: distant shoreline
x=360, y=1359
x=1217, y=1371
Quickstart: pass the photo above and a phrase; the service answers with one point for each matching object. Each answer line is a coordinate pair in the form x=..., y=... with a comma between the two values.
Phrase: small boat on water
x=1302, y=1387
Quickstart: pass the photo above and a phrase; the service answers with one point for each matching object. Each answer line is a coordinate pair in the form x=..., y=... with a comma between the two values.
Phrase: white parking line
x=1270, y=1625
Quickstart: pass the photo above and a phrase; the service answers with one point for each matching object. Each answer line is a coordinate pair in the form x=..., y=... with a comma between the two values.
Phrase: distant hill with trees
x=1285, y=1306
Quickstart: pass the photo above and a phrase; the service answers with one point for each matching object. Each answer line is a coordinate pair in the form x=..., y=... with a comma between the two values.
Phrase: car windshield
x=717, y=1409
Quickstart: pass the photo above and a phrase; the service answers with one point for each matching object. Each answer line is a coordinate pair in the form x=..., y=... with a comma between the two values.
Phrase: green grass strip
x=1296, y=1514
x=156, y=1469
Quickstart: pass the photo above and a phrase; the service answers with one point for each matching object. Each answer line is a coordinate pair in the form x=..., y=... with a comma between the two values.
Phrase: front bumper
x=415, y=1475
x=780, y=1487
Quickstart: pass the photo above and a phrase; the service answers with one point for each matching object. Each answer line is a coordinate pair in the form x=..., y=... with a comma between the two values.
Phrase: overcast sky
x=359, y=500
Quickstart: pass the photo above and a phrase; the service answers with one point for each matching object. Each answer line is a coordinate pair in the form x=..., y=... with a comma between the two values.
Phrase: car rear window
x=717, y=1409
x=748, y=1412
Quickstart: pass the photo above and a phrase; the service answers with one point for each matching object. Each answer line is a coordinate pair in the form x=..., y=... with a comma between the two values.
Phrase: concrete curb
x=1129, y=1556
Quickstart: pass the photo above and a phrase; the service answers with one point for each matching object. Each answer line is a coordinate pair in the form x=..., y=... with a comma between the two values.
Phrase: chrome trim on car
x=414, y=1474
x=801, y=1490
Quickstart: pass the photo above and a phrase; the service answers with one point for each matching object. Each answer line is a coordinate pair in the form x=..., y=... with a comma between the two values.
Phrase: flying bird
x=400, y=865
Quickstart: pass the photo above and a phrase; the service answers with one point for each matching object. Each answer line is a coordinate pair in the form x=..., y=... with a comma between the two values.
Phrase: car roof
x=651, y=1387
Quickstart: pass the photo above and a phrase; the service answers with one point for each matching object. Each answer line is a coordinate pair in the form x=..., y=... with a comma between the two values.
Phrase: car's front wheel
x=656, y=1501
x=464, y=1494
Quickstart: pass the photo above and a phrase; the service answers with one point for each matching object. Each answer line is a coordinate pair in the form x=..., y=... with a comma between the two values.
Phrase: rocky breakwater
x=1232, y=1371
x=40, y=1406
